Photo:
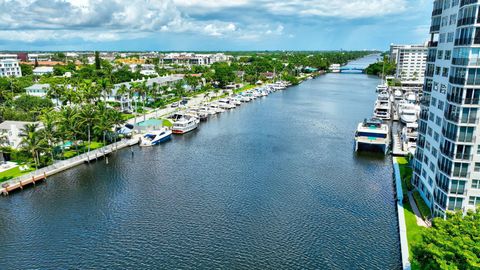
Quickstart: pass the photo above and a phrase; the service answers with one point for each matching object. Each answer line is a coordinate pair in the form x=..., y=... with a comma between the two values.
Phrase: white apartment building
x=194, y=59
x=411, y=62
x=447, y=160
x=10, y=68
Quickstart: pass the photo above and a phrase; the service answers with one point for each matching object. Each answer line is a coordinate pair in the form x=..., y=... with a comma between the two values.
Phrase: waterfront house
x=38, y=90
x=11, y=130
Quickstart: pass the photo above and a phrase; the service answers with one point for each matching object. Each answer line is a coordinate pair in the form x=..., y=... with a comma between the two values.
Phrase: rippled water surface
x=273, y=184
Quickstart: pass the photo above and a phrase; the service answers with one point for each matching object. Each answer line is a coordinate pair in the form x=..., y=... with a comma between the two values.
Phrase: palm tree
x=122, y=91
x=68, y=125
x=87, y=117
x=117, y=120
x=49, y=131
x=32, y=141
x=106, y=88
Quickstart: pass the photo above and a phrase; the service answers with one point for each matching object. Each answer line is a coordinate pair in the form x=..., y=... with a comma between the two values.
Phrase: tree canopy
x=450, y=244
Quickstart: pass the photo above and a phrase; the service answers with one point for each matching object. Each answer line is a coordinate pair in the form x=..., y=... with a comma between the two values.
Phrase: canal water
x=274, y=184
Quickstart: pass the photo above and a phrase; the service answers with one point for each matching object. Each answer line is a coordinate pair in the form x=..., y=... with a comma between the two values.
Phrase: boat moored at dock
x=372, y=135
x=156, y=137
x=185, y=125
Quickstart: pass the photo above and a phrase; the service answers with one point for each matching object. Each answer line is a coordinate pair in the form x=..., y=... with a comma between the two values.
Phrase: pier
x=42, y=174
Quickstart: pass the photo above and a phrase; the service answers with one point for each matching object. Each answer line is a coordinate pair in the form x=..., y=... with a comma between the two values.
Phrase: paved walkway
x=418, y=215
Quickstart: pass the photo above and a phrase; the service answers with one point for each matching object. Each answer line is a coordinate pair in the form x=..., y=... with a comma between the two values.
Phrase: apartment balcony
x=453, y=117
x=446, y=152
x=463, y=41
x=466, y=21
x=435, y=29
x=437, y=12
x=433, y=44
x=467, y=2
x=424, y=115
x=441, y=185
x=457, y=80
x=425, y=101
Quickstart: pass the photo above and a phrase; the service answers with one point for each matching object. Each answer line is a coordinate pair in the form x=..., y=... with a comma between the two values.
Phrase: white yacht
x=207, y=110
x=372, y=135
x=408, y=113
x=185, y=125
x=383, y=107
x=156, y=137
x=225, y=104
x=216, y=107
x=382, y=88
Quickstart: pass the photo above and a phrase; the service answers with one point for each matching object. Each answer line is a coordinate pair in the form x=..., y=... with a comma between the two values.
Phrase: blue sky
x=211, y=24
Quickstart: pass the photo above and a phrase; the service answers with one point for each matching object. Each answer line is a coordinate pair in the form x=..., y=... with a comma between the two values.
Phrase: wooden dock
x=42, y=174
x=397, y=148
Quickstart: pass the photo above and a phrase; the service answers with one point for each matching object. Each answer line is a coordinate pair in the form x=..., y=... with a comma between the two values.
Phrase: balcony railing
x=466, y=21
x=435, y=28
x=467, y=2
x=462, y=101
x=457, y=80
x=446, y=152
x=454, y=117
x=442, y=185
x=463, y=41
x=432, y=44
x=437, y=12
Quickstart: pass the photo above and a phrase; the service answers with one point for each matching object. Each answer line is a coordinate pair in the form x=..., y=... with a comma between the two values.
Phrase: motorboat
x=226, y=104
x=216, y=107
x=185, y=125
x=373, y=135
x=207, y=110
x=383, y=107
x=408, y=113
x=156, y=137
x=382, y=88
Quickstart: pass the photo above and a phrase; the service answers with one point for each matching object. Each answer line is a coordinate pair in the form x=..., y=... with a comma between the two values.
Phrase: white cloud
x=350, y=9
x=110, y=20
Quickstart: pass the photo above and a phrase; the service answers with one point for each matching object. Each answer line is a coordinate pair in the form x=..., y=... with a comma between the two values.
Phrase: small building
x=10, y=68
x=12, y=131
x=39, y=71
x=38, y=90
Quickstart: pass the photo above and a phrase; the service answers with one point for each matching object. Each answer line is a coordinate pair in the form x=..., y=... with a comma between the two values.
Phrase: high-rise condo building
x=447, y=160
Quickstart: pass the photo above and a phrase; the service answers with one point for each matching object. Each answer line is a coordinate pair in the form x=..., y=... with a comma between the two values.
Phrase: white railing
x=100, y=152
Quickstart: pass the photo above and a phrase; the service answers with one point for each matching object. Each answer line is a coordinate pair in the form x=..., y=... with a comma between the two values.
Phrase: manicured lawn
x=245, y=88
x=167, y=123
x=422, y=206
x=126, y=116
x=12, y=173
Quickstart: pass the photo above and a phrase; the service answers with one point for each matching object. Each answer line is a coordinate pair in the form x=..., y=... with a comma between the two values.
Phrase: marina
x=247, y=167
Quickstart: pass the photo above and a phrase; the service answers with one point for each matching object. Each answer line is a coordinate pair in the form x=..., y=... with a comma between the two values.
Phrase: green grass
x=422, y=206
x=126, y=116
x=12, y=173
x=405, y=174
x=414, y=232
x=167, y=123
x=244, y=88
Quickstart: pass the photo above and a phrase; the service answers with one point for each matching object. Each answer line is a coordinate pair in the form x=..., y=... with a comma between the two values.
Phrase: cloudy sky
x=211, y=24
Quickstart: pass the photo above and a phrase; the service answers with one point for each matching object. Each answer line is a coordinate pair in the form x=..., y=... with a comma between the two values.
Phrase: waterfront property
x=11, y=131
x=411, y=63
x=447, y=164
x=38, y=90
x=205, y=198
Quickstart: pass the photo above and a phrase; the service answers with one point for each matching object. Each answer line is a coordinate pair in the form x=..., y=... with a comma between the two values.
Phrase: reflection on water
x=274, y=184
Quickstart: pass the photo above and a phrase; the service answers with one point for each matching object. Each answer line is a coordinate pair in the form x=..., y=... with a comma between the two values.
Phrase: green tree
x=26, y=69
x=453, y=243
x=32, y=142
x=98, y=64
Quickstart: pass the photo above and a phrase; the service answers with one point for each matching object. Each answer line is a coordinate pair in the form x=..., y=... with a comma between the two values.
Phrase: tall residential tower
x=447, y=161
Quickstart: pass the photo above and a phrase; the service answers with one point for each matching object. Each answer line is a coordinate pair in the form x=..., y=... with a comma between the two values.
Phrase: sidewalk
x=418, y=215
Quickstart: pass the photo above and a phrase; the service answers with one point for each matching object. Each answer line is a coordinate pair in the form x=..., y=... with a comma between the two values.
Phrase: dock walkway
x=43, y=173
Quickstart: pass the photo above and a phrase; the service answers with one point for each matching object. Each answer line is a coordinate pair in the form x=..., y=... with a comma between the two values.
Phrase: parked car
x=174, y=105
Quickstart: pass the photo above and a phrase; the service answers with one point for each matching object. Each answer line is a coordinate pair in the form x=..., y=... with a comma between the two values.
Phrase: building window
x=458, y=187
x=477, y=167
x=474, y=201
x=475, y=184
x=454, y=203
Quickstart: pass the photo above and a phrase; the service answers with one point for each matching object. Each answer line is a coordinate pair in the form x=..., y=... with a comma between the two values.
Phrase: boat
x=185, y=125
x=156, y=137
x=226, y=104
x=408, y=113
x=382, y=88
x=372, y=135
x=383, y=107
x=207, y=110
x=216, y=108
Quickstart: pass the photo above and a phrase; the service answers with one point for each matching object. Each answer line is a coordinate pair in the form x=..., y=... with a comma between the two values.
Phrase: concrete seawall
x=43, y=173
x=402, y=227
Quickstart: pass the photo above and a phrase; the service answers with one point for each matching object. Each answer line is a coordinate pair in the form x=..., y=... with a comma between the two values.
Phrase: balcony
x=466, y=21
x=446, y=152
x=433, y=44
x=424, y=115
x=441, y=185
x=463, y=41
x=467, y=2
x=454, y=117
x=457, y=80
x=462, y=101
x=463, y=156
x=435, y=28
